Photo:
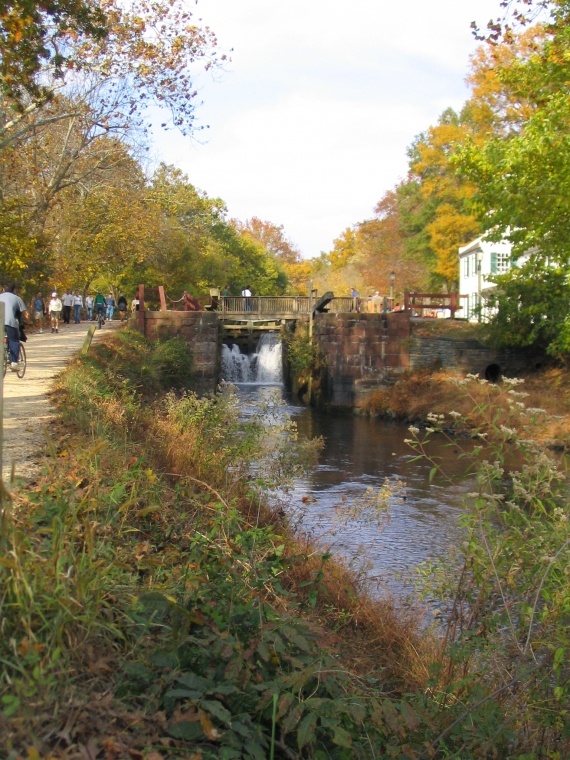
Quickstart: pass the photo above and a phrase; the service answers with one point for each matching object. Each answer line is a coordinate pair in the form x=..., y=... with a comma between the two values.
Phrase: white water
x=265, y=367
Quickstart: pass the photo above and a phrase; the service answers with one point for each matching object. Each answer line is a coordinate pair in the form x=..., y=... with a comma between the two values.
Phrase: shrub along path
x=27, y=408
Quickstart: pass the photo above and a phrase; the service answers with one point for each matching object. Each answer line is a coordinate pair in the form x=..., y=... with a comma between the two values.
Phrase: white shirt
x=55, y=305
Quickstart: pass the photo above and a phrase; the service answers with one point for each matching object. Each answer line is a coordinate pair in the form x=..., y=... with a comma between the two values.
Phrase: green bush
x=171, y=361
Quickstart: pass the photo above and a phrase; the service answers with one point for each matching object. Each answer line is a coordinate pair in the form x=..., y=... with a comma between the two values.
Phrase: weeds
x=153, y=606
x=151, y=586
x=505, y=664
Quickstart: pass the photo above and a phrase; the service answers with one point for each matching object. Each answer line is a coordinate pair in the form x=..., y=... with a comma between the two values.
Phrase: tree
x=452, y=224
x=532, y=308
x=23, y=258
x=146, y=56
x=523, y=182
x=292, y=270
x=35, y=35
x=272, y=237
x=522, y=175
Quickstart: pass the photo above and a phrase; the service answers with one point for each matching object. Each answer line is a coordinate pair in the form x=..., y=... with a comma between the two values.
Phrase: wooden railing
x=264, y=305
x=260, y=307
x=432, y=302
x=276, y=306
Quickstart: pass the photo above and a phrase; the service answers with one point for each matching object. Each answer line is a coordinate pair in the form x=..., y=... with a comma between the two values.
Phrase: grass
x=121, y=550
x=153, y=606
x=418, y=394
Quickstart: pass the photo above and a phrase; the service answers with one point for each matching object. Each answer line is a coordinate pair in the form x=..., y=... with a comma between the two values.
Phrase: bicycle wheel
x=21, y=371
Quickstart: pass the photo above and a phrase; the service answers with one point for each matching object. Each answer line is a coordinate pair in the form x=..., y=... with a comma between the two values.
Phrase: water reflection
x=358, y=454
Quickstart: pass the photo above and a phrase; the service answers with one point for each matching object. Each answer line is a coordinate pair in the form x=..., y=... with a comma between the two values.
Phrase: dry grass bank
x=538, y=405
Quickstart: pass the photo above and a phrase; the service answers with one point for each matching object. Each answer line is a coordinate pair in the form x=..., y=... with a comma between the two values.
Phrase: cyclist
x=100, y=305
x=14, y=309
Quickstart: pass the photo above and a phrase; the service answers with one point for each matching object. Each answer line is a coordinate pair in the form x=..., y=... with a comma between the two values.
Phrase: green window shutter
x=493, y=263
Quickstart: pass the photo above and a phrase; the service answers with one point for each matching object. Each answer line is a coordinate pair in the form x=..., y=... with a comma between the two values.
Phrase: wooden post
x=140, y=318
x=453, y=304
x=2, y=322
x=162, y=297
x=310, y=338
x=87, y=341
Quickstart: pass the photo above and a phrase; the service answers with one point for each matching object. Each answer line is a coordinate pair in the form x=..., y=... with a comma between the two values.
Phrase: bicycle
x=100, y=316
x=21, y=370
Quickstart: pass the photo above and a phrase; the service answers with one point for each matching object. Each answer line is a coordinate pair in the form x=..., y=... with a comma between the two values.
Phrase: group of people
x=72, y=303
x=374, y=303
x=16, y=312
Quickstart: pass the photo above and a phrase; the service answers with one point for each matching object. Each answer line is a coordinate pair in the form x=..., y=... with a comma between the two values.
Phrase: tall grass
x=152, y=604
x=144, y=572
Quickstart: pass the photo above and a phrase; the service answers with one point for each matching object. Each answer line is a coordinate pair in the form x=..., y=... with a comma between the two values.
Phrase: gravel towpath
x=27, y=409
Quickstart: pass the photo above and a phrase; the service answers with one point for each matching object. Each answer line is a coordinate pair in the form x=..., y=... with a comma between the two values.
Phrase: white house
x=479, y=260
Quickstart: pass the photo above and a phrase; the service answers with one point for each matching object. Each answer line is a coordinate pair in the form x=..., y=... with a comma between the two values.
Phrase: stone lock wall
x=200, y=329
x=464, y=355
x=361, y=349
x=366, y=351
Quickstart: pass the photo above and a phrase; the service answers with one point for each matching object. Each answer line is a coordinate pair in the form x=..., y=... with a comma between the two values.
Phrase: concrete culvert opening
x=493, y=373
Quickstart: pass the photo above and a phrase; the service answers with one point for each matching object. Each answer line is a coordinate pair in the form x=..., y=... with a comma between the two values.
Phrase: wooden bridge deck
x=273, y=307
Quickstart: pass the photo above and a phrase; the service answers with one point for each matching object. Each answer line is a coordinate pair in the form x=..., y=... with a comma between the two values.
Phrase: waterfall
x=263, y=367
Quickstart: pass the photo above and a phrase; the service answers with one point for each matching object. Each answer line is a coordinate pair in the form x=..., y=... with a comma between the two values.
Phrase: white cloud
x=310, y=125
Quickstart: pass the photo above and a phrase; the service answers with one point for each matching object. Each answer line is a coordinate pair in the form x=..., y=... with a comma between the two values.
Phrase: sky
x=309, y=123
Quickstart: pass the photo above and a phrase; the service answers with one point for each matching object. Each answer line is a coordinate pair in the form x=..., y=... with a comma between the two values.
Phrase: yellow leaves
x=449, y=230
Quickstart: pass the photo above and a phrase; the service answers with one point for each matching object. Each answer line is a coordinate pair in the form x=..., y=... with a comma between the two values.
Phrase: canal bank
x=172, y=611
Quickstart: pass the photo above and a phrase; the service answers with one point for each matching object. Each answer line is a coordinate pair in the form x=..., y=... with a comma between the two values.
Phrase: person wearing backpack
x=39, y=310
x=122, y=307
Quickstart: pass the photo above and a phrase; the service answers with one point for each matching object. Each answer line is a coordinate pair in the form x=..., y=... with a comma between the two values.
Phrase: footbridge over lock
x=244, y=319
x=361, y=349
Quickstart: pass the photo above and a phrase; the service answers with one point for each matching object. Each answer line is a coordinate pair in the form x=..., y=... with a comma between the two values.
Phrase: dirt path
x=27, y=410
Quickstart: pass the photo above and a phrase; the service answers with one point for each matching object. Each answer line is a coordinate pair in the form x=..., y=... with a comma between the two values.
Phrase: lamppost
x=479, y=258
x=392, y=281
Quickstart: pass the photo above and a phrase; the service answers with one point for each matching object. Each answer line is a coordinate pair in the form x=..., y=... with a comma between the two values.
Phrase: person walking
x=54, y=308
x=39, y=310
x=377, y=302
x=89, y=306
x=122, y=307
x=246, y=294
x=110, y=304
x=67, y=302
x=355, y=306
x=14, y=310
x=77, y=306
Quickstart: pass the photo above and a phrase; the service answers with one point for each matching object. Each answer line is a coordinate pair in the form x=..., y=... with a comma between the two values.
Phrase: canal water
x=360, y=458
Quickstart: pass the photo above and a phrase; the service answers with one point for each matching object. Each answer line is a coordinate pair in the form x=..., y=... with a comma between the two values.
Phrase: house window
x=500, y=262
